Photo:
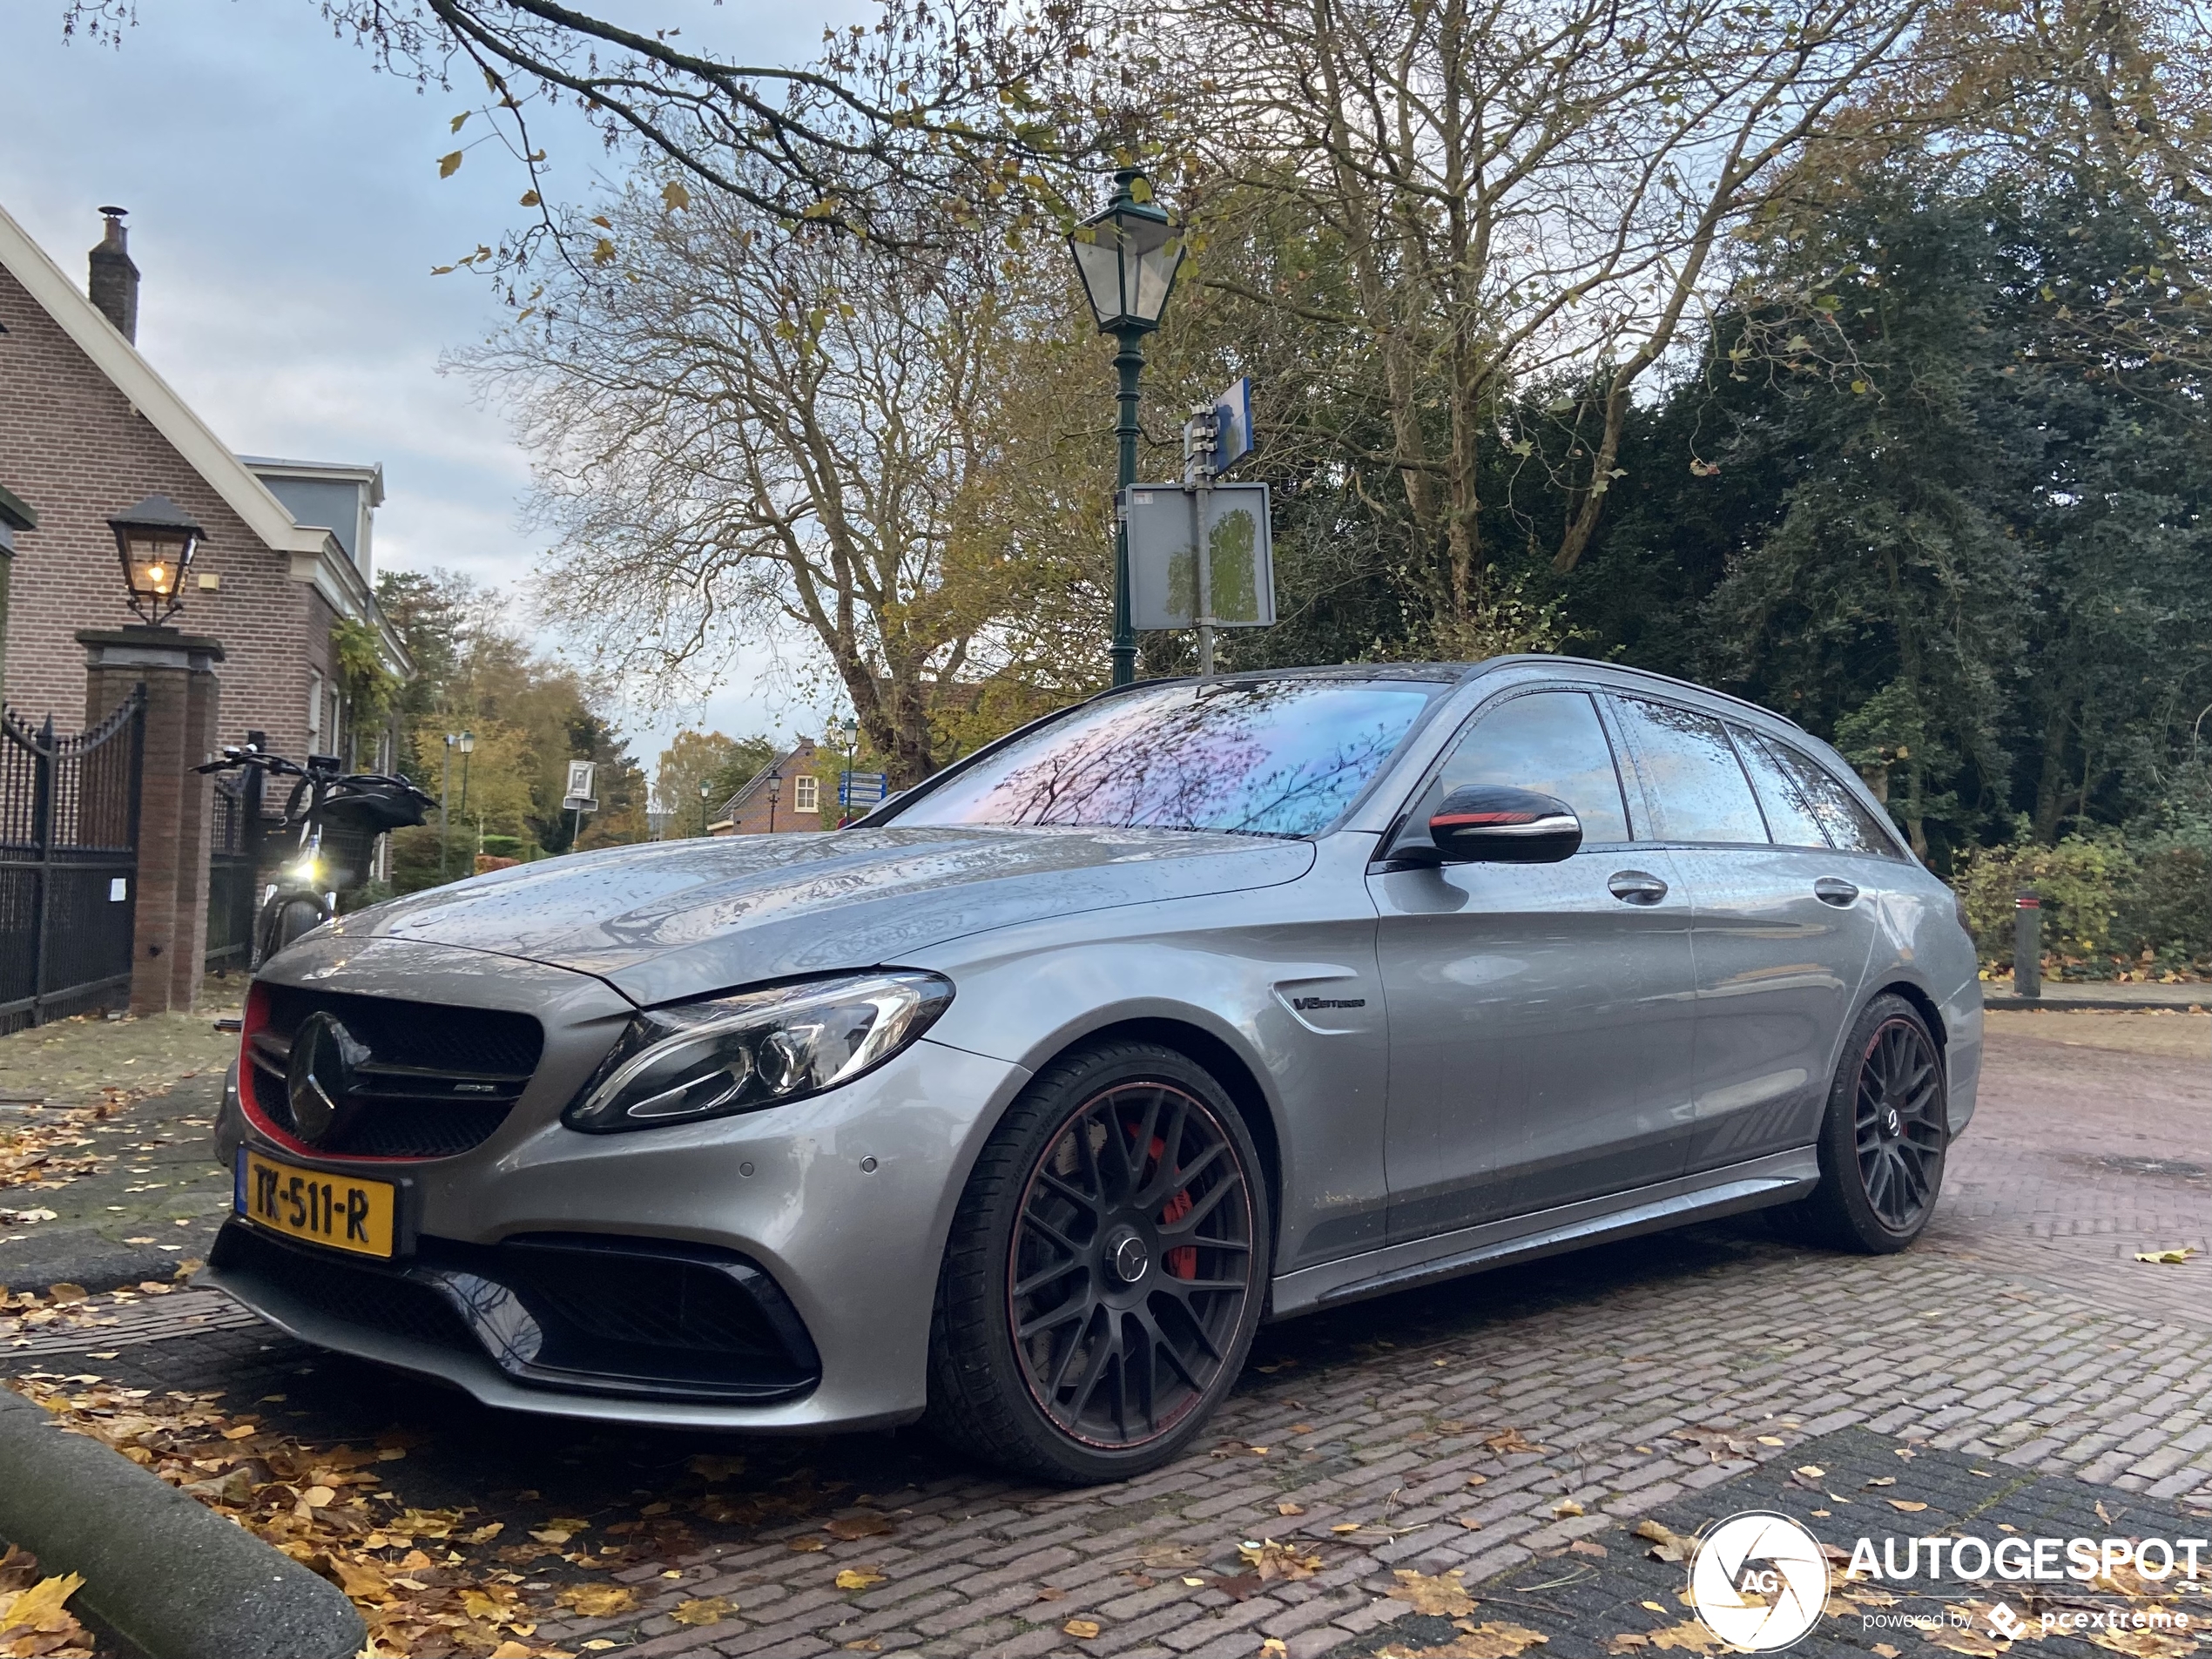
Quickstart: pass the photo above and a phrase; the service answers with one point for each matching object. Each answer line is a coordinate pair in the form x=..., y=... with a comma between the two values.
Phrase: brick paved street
x=1474, y=1427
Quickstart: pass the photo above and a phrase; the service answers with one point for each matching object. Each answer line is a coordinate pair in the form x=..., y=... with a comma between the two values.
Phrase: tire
x=1106, y=1270
x=1883, y=1139
x=282, y=922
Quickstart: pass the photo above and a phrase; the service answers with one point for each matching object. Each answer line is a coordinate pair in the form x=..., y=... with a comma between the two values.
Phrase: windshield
x=1257, y=757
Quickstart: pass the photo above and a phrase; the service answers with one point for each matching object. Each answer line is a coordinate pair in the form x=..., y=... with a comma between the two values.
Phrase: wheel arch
x=1925, y=1006
x=1225, y=1066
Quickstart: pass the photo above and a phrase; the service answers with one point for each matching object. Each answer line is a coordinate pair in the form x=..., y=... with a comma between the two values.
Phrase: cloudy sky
x=285, y=211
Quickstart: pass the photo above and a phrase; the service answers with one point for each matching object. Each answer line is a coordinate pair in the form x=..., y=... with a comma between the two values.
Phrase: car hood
x=678, y=919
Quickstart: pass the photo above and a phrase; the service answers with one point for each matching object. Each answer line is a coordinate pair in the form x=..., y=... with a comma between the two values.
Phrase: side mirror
x=1492, y=824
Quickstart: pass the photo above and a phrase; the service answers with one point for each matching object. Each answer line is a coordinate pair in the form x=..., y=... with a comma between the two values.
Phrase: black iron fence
x=69, y=864
x=233, y=874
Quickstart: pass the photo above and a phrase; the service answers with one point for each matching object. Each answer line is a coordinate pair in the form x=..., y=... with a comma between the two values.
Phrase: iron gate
x=234, y=853
x=69, y=864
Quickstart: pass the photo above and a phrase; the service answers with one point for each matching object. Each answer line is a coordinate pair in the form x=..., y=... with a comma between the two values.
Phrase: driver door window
x=1550, y=742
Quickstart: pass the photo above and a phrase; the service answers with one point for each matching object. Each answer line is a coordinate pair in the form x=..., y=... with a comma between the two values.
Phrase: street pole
x=445, y=793
x=1129, y=363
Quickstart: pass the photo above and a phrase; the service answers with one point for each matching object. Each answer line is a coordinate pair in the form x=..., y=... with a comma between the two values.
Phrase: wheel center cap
x=1128, y=1258
x=1893, y=1121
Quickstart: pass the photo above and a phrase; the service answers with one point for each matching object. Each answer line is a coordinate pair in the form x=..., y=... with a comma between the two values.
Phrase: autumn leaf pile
x=25, y=1314
x=40, y=1154
x=325, y=1507
x=35, y=1621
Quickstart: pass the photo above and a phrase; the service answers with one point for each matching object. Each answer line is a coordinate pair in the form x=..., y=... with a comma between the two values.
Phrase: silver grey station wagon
x=1015, y=1108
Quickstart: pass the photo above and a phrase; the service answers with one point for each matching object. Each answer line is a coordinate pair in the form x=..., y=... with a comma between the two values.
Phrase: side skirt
x=1776, y=1178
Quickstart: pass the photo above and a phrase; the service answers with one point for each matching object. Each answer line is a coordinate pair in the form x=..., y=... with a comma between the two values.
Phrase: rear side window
x=1850, y=827
x=1690, y=769
x=1790, y=818
x=1549, y=741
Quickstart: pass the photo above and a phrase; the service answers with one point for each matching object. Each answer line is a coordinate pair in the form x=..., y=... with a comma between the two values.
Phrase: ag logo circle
x=1760, y=1580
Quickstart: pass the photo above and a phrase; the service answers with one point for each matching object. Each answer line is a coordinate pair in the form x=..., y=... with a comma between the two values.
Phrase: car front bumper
x=841, y=1204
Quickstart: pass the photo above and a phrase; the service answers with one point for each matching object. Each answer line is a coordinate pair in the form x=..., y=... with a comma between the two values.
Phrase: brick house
x=786, y=794
x=87, y=428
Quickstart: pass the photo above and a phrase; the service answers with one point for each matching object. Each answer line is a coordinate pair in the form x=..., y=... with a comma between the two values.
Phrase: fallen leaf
x=1239, y=1587
x=1584, y=1547
x=715, y=1466
x=1885, y=1651
x=1478, y=1642
x=1271, y=1559
x=2144, y=1645
x=1653, y=1606
x=2166, y=1257
x=1961, y=1639
x=1690, y=1636
x=1081, y=1629
x=1509, y=1441
x=1883, y=1481
x=1441, y=1596
x=1345, y=1526
x=240, y=1430
x=858, y=1578
x=1289, y=1509
x=1811, y=1472
x=597, y=1600
x=1274, y=1645
x=486, y=1533
x=65, y=1292
x=1772, y=1439
x=1052, y=1593
x=1666, y=1544
x=710, y=1609
x=1567, y=1508
x=1908, y=1505
x=1195, y=1583
x=1478, y=1480
x=804, y=1546
x=866, y=1644
x=864, y=1525
x=1627, y=1642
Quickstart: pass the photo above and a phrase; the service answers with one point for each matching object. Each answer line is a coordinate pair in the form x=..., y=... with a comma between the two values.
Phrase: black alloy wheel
x=1131, y=1264
x=1883, y=1140
x=1897, y=1122
x=1106, y=1270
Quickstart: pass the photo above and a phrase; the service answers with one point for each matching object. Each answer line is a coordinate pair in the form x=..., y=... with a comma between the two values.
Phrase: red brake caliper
x=1182, y=1260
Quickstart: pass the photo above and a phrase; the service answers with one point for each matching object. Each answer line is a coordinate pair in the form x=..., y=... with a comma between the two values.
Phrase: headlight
x=740, y=1052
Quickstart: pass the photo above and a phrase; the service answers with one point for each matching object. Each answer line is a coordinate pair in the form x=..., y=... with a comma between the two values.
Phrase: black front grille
x=578, y=1311
x=438, y=1080
x=363, y=1295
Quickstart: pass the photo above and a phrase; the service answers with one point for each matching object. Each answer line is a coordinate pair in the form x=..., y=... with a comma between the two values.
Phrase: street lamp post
x=1127, y=256
x=852, y=760
x=706, y=794
x=445, y=794
x=467, y=746
x=775, y=788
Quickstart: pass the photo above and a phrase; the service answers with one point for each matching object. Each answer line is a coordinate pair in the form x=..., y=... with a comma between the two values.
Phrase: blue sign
x=861, y=788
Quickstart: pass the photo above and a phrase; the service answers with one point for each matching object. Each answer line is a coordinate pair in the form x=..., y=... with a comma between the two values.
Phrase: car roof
x=1450, y=673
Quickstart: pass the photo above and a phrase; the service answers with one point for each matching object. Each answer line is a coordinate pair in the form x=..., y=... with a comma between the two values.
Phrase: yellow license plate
x=320, y=1206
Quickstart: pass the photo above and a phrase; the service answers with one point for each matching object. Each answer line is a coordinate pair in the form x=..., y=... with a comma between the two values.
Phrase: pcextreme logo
x=1759, y=1580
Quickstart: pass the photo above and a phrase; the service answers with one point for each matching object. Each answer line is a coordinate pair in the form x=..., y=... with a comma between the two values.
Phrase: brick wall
x=71, y=446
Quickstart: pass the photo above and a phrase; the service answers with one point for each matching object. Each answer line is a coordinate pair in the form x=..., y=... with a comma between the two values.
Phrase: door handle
x=1833, y=889
x=1636, y=886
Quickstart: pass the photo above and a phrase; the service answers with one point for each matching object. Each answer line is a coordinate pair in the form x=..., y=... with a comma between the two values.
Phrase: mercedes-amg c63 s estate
x=1017, y=1106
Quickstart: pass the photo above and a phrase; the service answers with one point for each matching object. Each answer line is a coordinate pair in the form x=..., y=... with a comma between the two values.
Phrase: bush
x=2109, y=909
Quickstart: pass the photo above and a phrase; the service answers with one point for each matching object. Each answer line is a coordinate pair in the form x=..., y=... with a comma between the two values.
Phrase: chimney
x=114, y=284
